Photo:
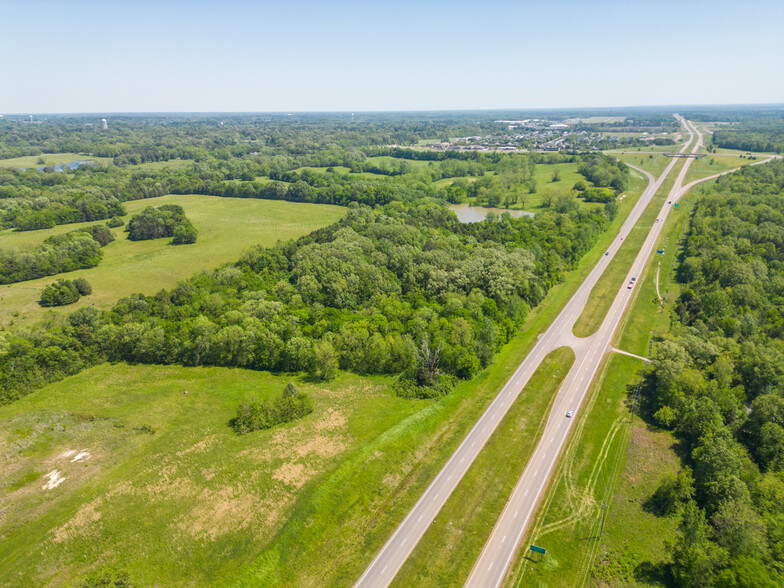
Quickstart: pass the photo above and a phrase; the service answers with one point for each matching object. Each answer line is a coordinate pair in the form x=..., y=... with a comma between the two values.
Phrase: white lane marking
x=420, y=518
x=515, y=515
x=526, y=494
x=449, y=478
x=490, y=567
x=504, y=539
x=536, y=472
x=462, y=459
x=403, y=542
x=474, y=443
x=385, y=567
x=435, y=497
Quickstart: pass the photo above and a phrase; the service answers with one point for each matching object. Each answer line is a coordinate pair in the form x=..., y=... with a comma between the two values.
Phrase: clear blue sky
x=295, y=55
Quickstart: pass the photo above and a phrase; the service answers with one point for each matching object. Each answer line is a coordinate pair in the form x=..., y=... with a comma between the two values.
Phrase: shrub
x=60, y=293
x=115, y=222
x=83, y=286
x=254, y=415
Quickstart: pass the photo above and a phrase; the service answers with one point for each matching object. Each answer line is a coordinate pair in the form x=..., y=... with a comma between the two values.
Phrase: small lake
x=70, y=164
x=474, y=214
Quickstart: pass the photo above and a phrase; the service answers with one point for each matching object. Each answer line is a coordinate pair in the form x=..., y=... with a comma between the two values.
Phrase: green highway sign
x=537, y=549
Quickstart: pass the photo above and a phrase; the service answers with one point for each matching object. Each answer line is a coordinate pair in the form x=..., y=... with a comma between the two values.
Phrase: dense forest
x=366, y=295
x=718, y=383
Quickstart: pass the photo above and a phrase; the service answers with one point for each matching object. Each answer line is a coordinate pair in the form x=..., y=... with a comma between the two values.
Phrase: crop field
x=50, y=159
x=150, y=478
x=227, y=227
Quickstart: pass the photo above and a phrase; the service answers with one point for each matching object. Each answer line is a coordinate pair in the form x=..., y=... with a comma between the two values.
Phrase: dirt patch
x=333, y=419
x=221, y=512
x=80, y=524
x=199, y=447
x=292, y=474
x=54, y=479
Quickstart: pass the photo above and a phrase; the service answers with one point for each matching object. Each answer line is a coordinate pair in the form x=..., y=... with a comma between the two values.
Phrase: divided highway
x=497, y=554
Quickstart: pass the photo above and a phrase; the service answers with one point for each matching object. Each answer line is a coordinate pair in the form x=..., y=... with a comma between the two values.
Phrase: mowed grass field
x=227, y=227
x=50, y=159
x=164, y=488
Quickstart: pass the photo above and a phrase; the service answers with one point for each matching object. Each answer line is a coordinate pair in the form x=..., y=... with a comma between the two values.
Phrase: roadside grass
x=355, y=511
x=713, y=164
x=566, y=522
x=447, y=552
x=169, y=492
x=615, y=273
x=227, y=227
x=51, y=159
x=653, y=163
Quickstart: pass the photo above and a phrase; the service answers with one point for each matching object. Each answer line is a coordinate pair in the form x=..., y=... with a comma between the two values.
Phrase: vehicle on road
x=630, y=286
x=569, y=414
x=607, y=253
x=634, y=279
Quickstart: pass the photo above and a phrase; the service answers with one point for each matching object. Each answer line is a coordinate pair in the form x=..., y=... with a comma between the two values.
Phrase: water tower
x=105, y=124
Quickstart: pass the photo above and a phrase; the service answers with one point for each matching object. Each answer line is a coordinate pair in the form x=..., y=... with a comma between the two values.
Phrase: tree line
x=718, y=382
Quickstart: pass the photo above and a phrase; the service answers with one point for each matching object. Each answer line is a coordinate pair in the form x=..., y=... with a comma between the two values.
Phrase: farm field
x=51, y=159
x=227, y=227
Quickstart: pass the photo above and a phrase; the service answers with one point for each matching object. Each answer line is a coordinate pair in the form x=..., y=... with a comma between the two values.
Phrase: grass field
x=169, y=492
x=227, y=227
x=51, y=159
x=653, y=163
x=170, y=164
x=714, y=164
x=447, y=552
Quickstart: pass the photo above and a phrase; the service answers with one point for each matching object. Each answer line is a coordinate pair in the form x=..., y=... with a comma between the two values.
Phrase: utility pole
x=604, y=515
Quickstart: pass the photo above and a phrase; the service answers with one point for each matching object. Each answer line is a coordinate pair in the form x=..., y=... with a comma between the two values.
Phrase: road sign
x=676, y=205
x=537, y=549
x=660, y=251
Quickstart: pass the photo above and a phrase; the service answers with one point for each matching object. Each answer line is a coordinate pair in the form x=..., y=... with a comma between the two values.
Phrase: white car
x=569, y=414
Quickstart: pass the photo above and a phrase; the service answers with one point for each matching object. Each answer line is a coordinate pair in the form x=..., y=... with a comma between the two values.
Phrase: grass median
x=449, y=548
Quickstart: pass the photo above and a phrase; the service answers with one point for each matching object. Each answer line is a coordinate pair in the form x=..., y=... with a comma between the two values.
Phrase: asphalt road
x=501, y=546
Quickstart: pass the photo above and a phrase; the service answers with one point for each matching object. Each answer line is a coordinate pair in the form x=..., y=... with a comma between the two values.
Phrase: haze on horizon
x=346, y=55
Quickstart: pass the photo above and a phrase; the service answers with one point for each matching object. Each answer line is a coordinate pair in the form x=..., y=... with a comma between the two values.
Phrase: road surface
x=498, y=552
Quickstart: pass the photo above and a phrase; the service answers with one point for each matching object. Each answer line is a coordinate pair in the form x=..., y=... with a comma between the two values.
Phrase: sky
x=344, y=55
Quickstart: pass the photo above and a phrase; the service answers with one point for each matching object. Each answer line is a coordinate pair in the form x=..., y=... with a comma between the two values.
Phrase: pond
x=70, y=164
x=474, y=214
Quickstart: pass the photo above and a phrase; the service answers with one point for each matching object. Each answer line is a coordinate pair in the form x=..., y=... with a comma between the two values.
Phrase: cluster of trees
x=255, y=415
x=64, y=292
x=59, y=208
x=605, y=172
x=80, y=249
x=365, y=295
x=168, y=220
x=718, y=382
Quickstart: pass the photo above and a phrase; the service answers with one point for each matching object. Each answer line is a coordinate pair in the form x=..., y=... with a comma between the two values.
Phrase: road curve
x=394, y=553
x=496, y=556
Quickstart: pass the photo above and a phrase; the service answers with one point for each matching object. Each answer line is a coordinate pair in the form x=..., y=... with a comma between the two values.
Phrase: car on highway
x=634, y=279
x=569, y=414
x=607, y=253
x=630, y=286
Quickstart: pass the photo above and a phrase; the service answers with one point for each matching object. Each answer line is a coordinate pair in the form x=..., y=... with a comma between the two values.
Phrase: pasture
x=227, y=227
